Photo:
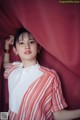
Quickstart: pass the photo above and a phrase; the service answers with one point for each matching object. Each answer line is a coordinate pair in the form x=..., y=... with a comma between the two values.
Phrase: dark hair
x=17, y=34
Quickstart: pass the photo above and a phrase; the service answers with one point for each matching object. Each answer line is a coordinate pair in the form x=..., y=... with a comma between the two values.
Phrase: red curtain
x=56, y=26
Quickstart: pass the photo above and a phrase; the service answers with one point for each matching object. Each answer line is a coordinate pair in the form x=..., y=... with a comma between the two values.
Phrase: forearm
x=67, y=114
x=6, y=58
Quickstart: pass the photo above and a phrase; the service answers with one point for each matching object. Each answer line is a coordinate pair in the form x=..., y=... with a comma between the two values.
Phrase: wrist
x=6, y=51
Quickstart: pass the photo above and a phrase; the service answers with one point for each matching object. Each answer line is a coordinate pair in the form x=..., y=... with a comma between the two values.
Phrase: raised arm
x=6, y=59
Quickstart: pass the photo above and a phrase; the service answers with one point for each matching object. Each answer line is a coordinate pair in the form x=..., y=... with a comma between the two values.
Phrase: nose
x=27, y=46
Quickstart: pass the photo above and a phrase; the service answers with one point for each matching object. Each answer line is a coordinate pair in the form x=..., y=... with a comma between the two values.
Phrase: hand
x=10, y=40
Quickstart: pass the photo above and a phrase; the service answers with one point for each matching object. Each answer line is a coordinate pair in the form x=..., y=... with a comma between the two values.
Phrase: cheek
x=36, y=48
x=18, y=47
x=19, y=50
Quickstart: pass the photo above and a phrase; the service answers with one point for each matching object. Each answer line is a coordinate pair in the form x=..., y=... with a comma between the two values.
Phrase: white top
x=19, y=81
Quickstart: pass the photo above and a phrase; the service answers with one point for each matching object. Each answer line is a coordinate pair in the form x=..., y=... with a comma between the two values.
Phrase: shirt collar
x=35, y=66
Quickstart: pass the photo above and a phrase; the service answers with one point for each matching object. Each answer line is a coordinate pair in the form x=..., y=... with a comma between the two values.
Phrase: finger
x=11, y=36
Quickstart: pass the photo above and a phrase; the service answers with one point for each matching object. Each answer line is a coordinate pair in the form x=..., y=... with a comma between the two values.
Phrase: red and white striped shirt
x=37, y=99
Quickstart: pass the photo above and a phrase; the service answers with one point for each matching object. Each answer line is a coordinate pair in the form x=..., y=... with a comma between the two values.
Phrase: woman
x=34, y=91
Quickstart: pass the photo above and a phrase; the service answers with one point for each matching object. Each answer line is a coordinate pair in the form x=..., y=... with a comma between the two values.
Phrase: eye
x=21, y=43
x=31, y=41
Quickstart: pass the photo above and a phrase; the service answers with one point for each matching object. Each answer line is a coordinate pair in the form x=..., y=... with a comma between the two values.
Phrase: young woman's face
x=27, y=47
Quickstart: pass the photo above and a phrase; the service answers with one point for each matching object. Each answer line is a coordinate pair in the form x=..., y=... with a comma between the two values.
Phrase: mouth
x=27, y=52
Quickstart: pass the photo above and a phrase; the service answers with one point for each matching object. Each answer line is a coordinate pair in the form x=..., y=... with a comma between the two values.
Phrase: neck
x=29, y=63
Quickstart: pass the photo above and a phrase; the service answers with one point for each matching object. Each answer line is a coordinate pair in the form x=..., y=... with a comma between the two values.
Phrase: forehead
x=26, y=36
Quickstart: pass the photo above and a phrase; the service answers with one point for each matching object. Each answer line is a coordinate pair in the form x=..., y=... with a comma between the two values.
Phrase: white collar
x=35, y=66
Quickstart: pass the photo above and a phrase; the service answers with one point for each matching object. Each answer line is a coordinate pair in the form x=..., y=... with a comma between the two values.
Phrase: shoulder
x=52, y=73
x=11, y=67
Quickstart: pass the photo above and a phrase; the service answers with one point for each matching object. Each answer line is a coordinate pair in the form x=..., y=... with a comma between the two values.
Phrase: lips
x=27, y=52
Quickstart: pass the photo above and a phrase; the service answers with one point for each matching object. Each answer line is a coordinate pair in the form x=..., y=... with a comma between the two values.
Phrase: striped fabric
x=9, y=68
x=43, y=97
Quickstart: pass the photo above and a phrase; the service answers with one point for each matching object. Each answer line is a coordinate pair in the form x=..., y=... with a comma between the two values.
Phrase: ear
x=15, y=51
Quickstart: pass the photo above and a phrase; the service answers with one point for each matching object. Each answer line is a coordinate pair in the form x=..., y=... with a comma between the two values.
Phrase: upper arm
x=7, y=65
